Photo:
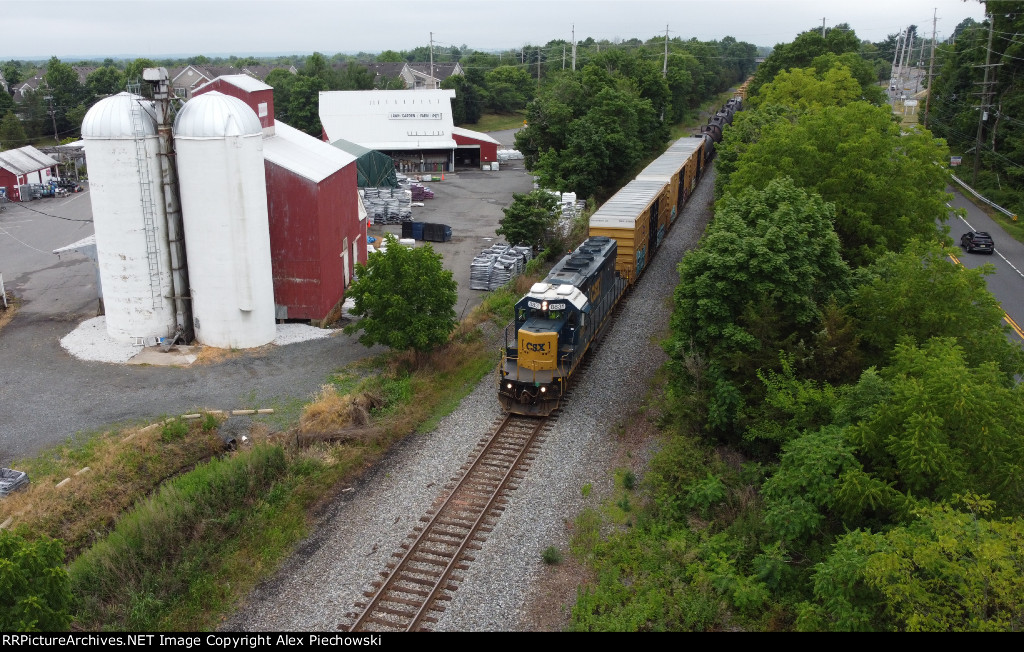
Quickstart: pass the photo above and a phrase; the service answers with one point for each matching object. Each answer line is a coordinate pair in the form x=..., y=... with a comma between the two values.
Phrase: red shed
x=22, y=166
x=475, y=145
x=317, y=227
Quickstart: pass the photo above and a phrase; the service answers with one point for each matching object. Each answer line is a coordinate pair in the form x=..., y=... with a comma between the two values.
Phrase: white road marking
x=994, y=249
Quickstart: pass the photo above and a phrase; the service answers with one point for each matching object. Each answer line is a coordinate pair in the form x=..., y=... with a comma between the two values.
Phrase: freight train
x=561, y=317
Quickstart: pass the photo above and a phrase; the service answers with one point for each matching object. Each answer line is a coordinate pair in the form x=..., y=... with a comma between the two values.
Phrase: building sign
x=954, y=160
x=414, y=116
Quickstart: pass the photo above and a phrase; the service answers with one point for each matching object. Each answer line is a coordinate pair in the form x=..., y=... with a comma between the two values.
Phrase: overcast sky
x=33, y=29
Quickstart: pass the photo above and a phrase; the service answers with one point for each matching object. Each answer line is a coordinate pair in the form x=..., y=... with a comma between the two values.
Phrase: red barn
x=317, y=225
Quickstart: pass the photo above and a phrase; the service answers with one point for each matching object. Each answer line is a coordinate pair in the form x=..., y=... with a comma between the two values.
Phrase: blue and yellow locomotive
x=555, y=324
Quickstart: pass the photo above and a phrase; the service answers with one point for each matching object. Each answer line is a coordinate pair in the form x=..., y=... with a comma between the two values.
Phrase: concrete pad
x=178, y=356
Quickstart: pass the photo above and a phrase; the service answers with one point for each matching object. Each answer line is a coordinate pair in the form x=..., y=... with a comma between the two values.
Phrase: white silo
x=128, y=216
x=219, y=145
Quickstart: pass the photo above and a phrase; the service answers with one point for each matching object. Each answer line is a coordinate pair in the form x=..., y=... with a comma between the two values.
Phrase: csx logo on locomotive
x=535, y=347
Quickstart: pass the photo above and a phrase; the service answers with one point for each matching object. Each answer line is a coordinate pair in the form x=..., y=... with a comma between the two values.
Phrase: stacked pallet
x=497, y=265
x=388, y=205
x=419, y=192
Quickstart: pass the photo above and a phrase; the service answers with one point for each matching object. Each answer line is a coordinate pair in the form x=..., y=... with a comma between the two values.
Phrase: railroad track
x=426, y=569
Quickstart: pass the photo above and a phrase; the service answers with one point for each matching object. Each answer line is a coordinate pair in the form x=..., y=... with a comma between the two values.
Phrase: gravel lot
x=47, y=396
x=318, y=586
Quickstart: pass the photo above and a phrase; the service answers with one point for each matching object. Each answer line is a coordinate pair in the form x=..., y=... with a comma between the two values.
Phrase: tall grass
x=128, y=580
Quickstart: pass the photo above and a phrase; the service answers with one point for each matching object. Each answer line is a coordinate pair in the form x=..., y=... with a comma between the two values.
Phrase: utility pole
x=432, y=59
x=823, y=26
x=664, y=66
x=983, y=108
x=931, y=67
x=563, y=56
x=538, y=66
x=53, y=116
x=574, y=48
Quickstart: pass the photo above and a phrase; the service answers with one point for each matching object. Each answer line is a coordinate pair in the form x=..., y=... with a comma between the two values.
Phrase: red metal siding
x=9, y=180
x=309, y=223
x=339, y=223
x=253, y=99
x=294, y=247
x=488, y=151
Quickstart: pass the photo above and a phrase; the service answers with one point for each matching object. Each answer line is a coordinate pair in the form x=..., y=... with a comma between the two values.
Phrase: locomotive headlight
x=508, y=386
x=543, y=305
x=543, y=389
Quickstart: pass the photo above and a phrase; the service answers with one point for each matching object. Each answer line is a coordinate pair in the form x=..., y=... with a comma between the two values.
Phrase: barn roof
x=245, y=82
x=475, y=135
x=302, y=154
x=25, y=159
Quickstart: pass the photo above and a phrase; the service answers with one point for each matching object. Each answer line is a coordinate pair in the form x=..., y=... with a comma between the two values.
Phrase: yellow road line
x=1014, y=326
x=1006, y=317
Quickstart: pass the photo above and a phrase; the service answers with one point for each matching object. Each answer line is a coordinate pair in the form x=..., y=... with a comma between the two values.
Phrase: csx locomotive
x=560, y=318
x=554, y=326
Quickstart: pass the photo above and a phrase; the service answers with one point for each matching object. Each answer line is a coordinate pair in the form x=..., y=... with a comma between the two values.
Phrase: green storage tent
x=373, y=169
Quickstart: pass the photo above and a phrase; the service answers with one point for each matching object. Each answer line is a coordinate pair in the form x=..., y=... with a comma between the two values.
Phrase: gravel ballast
x=318, y=586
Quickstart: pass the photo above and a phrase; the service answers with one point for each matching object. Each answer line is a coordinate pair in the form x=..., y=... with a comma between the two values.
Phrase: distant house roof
x=25, y=159
x=442, y=71
x=303, y=154
x=415, y=75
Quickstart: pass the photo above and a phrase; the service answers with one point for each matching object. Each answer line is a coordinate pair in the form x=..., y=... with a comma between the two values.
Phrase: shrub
x=35, y=592
x=552, y=556
x=173, y=431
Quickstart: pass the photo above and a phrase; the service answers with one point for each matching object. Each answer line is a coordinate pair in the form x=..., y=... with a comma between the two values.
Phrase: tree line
x=844, y=448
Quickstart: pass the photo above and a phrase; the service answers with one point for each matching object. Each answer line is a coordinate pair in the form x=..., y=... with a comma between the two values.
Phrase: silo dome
x=111, y=118
x=215, y=115
x=219, y=146
x=129, y=217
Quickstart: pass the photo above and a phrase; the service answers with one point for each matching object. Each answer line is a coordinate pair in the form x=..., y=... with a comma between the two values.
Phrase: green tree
x=106, y=80
x=65, y=91
x=529, y=219
x=281, y=80
x=405, y=297
x=36, y=589
x=6, y=103
x=12, y=72
x=468, y=101
x=509, y=88
x=390, y=56
x=946, y=428
x=775, y=245
x=804, y=88
x=755, y=286
x=885, y=184
x=133, y=71
x=919, y=294
x=303, y=108
x=953, y=569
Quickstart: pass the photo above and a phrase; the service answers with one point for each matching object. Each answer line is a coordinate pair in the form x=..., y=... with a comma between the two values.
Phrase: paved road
x=1007, y=284
x=47, y=396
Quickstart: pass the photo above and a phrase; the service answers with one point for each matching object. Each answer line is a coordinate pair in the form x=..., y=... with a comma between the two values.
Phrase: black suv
x=977, y=241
